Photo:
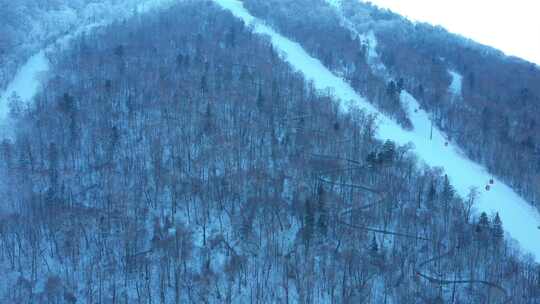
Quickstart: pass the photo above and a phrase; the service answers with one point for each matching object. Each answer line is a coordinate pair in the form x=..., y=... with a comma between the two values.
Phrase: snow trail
x=26, y=82
x=31, y=75
x=457, y=83
x=519, y=218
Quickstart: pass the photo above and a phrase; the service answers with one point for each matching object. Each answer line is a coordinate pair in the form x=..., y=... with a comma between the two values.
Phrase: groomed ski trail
x=521, y=220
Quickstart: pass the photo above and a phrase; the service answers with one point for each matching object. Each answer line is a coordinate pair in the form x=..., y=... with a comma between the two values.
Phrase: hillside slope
x=433, y=146
x=27, y=26
x=188, y=157
x=495, y=118
x=53, y=25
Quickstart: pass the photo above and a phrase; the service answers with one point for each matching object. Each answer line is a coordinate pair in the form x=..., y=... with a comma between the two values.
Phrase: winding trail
x=32, y=75
x=430, y=144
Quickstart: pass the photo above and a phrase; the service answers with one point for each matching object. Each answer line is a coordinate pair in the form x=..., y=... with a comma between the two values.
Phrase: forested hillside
x=495, y=117
x=176, y=158
x=27, y=26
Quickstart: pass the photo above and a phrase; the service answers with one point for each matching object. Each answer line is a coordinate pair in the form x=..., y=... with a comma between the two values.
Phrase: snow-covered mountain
x=431, y=145
x=27, y=26
x=394, y=195
x=54, y=27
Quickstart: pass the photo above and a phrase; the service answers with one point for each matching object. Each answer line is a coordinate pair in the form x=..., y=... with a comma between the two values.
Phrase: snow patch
x=520, y=219
x=367, y=39
x=26, y=82
x=370, y=41
x=334, y=3
x=25, y=85
x=456, y=84
x=148, y=6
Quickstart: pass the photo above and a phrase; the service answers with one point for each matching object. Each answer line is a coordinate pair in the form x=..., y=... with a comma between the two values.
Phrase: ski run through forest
x=521, y=220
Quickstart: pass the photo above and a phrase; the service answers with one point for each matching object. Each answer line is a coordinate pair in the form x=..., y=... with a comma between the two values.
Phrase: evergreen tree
x=6, y=153
x=374, y=247
x=114, y=139
x=15, y=106
x=275, y=91
x=400, y=85
x=66, y=104
x=336, y=126
x=420, y=91
x=372, y=158
x=448, y=190
x=388, y=152
x=204, y=84
x=260, y=99
x=483, y=223
x=309, y=222
x=208, y=118
x=432, y=192
x=53, y=167
x=392, y=88
x=471, y=80
x=179, y=60
x=244, y=74
x=231, y=37
x=119, y=51
x=498, y=231
x=322, y=222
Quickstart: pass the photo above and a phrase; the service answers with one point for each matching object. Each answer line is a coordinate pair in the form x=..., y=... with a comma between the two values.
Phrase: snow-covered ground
x=456, y=84
x=520, y=219
x=25, y=84
x=32, y=74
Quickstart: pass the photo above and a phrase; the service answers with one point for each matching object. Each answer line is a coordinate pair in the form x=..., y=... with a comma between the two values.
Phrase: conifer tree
x=448, y=190
x=374, y=247
x=498, y=231
x=322, y=222
x=260, y=99
x=309, y=222
x=483, y=223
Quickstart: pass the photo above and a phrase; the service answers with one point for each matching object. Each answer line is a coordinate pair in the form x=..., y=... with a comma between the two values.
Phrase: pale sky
x=511, y=26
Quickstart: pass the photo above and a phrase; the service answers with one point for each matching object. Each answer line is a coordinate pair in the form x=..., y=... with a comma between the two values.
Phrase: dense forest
x=29, y=25
x=176, y=158
x=318, y=28
x=495, y=120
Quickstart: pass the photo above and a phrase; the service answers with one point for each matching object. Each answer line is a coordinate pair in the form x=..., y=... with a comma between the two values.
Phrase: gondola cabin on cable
x=491, y=181
x=488, y=187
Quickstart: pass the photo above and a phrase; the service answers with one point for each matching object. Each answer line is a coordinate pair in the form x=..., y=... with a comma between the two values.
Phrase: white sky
x=511, y=26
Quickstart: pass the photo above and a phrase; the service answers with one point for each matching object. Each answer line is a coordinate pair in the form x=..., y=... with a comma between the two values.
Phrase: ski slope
x=25, y=85
x=32, y=74
x=520, y=219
